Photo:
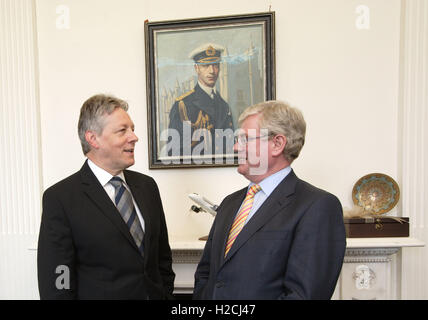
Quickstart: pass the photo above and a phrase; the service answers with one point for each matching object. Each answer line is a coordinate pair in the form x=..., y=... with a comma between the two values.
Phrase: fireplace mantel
x=369, y=270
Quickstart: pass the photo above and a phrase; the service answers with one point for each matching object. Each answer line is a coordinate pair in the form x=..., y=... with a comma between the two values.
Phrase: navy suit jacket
x=82, y=229
x=292, y=248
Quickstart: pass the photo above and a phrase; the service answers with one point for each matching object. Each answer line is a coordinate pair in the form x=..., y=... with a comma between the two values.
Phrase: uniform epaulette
x=185, y=95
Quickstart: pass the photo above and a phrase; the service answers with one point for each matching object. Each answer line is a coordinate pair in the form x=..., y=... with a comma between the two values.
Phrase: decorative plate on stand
x=376, y=193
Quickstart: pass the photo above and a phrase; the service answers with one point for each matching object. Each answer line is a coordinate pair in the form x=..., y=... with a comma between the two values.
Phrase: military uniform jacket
x=204, y=113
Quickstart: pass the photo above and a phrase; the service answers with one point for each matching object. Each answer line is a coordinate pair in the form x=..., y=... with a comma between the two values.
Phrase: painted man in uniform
x=203, y=109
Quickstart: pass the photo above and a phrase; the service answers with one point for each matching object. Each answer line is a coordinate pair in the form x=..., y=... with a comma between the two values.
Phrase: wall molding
x=413, y=156
x=20, y=159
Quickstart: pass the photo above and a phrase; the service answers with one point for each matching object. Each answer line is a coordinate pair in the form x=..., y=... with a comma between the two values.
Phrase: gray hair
x=92, y=115
x=280, y=118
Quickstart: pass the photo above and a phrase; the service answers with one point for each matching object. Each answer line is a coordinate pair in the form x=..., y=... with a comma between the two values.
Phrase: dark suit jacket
x=292, y=248
x=218, y=111
x=82, y=229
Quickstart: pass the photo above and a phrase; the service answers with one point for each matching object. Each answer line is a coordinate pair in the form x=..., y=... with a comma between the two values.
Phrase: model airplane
x=205, y=204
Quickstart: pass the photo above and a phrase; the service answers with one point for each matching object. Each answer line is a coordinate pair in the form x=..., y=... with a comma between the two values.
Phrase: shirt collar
x=208, y=90
x=270, y=183
x=103, y=176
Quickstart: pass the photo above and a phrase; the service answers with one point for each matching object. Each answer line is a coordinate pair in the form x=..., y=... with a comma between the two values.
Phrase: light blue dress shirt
x=267, y=186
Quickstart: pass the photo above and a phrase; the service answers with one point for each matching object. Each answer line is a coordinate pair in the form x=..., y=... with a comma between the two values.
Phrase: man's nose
x=236, y=146
x=239, y=148
x=133, y=137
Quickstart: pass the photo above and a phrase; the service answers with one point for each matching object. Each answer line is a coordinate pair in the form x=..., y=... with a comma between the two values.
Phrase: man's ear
x=279, y=141
x=91, y=138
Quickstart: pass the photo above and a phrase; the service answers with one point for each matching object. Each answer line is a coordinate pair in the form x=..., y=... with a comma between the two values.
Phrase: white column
x=20, y=155
x=413, y=118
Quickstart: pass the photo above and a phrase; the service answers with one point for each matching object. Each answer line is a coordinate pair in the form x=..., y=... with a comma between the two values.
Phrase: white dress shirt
x=104, y=177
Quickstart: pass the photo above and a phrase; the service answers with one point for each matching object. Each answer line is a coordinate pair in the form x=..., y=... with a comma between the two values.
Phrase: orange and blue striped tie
x=241, y=217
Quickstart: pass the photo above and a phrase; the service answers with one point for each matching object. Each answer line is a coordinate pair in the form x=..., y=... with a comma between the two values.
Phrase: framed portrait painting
x=201, y=75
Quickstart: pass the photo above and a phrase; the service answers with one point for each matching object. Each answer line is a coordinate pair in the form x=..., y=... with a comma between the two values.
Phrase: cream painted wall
x=345, y=81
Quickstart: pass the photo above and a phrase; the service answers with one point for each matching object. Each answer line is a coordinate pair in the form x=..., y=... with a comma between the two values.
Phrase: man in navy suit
x=280, y=237
x=97, y=241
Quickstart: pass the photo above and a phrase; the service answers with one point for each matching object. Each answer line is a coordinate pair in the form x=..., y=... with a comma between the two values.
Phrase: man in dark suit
x=203, y=108
x=103, y=233
x=280, y=238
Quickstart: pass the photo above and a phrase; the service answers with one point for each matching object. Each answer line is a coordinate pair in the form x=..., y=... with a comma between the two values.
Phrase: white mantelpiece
x=185, y=257
x=369, y=271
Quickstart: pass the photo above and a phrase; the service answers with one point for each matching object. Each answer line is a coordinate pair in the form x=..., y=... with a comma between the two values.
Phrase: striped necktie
x=125, y=206
x=241, y=217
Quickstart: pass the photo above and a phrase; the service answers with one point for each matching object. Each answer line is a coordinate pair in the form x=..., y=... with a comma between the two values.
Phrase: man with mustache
x=103, y=233
x=280, y=237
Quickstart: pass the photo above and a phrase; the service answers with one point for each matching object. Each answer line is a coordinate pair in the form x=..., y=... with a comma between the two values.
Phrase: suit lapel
x=226, y=223
x=279, y=199
x=95, y=191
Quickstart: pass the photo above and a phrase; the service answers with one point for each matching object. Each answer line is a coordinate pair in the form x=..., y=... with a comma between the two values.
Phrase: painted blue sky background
x=173, y=47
